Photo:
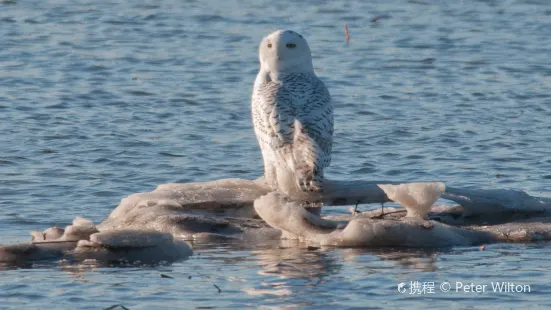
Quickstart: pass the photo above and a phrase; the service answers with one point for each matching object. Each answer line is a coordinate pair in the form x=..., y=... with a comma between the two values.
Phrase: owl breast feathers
x=293, y=122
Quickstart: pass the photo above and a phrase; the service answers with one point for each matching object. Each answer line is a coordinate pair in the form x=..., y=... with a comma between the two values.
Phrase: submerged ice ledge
x=226, y=209
x=82, y=240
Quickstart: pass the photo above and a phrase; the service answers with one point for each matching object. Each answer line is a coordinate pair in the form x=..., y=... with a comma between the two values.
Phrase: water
x=102, y=99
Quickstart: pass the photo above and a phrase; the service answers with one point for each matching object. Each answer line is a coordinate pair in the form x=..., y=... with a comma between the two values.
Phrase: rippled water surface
x=102, y=99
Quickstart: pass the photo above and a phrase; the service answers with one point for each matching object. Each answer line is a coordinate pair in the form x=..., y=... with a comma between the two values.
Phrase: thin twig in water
x=55, y=241
x=346, y=33
x=115, y=306
x=219, y=290
x=383, y=214
x=355, y=209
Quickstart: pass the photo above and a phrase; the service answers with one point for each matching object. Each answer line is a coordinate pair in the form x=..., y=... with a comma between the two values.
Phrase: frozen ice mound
x=417, y=198
x=292, y=218
x=146, y=246
x=82, y=240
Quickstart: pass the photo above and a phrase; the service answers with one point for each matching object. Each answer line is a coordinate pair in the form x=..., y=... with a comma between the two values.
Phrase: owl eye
x=269, y=45
x=291, y=45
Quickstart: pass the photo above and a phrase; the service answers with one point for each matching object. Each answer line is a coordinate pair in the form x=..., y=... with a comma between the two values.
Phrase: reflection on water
x=284, y=273
x=289, y=273
x=407, y=259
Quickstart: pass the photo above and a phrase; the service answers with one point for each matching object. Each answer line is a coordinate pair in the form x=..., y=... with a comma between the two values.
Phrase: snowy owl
x=292, y=114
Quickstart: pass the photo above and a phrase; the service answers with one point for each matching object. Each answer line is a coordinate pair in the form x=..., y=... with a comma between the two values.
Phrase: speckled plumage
x=292, y=113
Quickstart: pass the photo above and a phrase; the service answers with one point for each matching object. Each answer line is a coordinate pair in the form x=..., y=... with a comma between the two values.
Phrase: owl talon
x=309, y=186
x=315, y=188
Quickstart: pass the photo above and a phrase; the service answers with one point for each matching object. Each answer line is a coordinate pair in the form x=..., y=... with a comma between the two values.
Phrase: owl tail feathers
x=306, y=177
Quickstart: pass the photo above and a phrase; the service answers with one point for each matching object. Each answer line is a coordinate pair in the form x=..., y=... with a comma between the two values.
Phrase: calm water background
x=102, y=99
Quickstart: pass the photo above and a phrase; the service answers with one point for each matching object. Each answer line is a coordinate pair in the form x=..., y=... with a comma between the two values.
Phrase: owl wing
x=273, y=115
x=281, y=118
x=313, y=138
x=316, y=117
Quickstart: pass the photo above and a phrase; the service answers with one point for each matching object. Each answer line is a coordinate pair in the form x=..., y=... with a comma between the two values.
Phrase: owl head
x=285, y=51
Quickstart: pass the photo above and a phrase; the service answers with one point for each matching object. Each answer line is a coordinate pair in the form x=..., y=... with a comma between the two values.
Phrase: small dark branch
x=346, y=33
x=380, y=216
x=219, y=290
x=56, y=241
x=115, y=307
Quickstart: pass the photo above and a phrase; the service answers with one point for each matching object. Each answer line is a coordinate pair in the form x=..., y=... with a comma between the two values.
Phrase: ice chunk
x=133, y=238
x=80, y=230
x=50, y=234
x=132, y=245
x=292, y=218
x=282, y=213
x=53, y=233
x=417, y=198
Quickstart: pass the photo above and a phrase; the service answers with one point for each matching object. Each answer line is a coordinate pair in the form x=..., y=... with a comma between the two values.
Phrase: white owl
x=292, y=114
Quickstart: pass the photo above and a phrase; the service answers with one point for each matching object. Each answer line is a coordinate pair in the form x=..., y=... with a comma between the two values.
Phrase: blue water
x=102, y=99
